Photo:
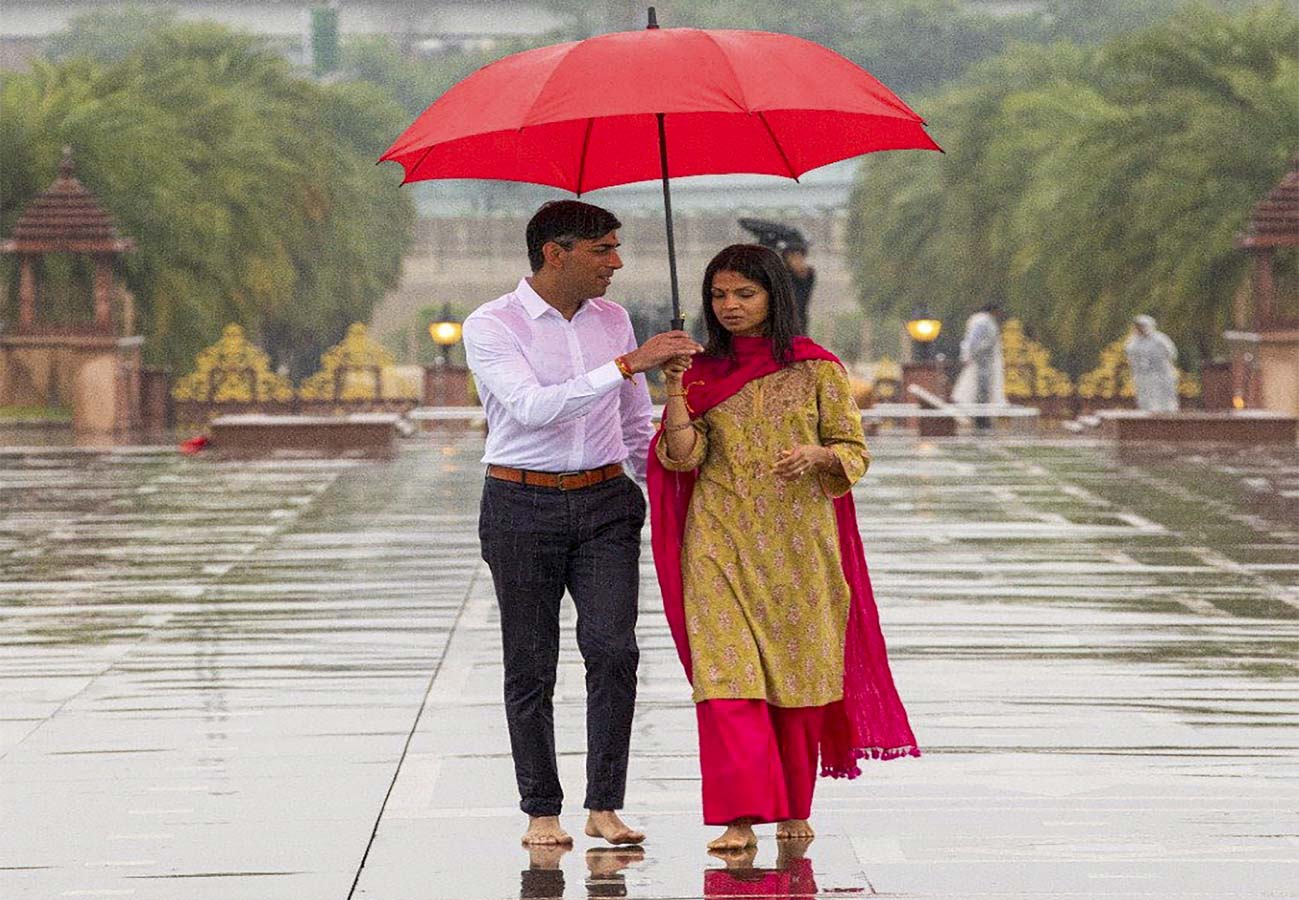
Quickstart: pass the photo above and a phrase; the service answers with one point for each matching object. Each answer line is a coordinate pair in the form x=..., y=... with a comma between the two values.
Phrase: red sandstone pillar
x=26, y=291
x=1264, y=289
x=103, y=293
x=927, y=374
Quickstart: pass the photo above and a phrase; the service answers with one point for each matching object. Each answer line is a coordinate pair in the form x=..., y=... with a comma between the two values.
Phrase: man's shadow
x=791, y=877
x=544, y=877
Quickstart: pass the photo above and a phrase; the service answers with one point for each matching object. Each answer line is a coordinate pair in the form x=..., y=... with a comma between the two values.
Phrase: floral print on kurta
x=766, y=602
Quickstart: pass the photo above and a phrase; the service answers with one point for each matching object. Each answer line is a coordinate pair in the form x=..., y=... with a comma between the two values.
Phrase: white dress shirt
x=554, y=400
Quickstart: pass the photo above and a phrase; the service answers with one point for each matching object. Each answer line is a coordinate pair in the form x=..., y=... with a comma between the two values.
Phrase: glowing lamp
x=924, y=329
x=445, y=334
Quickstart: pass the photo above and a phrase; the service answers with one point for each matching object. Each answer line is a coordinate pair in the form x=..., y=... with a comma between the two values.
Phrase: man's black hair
x=766, y=268
x=566, y=222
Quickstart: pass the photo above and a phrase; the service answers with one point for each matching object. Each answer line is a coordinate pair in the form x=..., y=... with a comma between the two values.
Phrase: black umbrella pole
x=678, y=321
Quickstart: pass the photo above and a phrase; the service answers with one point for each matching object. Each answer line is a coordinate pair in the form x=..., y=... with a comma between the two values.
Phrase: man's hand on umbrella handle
x=660, y=348
x=675, y=367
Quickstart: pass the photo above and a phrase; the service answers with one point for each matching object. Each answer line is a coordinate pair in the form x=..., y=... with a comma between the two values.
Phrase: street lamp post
x=446, y=384
x=446, y=333
x=923, y=330
x=924, y=371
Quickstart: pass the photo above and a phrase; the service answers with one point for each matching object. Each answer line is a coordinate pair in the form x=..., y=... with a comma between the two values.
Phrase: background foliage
x=1083, y=185
x=251, y=192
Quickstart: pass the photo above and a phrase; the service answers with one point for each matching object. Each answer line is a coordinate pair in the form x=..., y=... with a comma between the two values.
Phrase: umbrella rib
x=779, y=149
x=739, y=88
x=581, y=162
x=418, y=163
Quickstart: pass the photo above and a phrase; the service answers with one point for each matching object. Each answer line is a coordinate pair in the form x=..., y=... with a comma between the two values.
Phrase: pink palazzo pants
x=758, y=761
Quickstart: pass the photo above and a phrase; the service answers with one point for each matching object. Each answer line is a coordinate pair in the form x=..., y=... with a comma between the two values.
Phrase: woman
x=760, y=561
x=1152, y=360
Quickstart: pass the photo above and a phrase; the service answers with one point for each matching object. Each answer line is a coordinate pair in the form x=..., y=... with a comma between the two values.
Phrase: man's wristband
x=623, y=368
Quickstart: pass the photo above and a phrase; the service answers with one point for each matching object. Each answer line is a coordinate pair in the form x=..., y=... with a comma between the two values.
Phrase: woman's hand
x=674, y=368
x=801, y=460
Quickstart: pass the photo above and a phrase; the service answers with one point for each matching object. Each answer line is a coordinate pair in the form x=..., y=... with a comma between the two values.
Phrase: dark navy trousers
x=538, y=542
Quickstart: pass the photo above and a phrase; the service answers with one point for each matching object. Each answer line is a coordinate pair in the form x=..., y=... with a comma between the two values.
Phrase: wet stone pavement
x=280, y=680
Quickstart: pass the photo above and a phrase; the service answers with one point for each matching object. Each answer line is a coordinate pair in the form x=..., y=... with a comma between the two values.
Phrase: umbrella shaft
x=678, y=321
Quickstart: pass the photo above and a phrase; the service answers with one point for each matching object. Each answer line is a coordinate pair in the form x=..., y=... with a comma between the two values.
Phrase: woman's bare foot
x=545, y=830
x=738, y=835
x=604, y=823
x=795, y=830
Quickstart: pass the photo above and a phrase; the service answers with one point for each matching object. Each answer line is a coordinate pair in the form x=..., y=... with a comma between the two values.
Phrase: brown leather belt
x=564, y=481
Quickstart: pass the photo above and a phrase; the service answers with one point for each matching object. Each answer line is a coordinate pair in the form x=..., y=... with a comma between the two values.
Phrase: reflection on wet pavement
x=281, y=679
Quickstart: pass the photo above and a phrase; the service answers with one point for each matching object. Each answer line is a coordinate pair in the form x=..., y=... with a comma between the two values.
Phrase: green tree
x=251, y=192
x=106, y=36
x=915, y=46
x=1084, y=186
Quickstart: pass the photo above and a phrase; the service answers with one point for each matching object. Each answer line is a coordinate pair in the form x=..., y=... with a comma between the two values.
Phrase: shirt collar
x=535, y=306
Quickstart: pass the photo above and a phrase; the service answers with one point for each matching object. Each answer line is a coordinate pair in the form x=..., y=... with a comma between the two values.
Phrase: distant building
x=823, y=191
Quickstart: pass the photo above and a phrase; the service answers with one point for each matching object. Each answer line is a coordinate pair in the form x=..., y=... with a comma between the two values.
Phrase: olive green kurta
x=766, y=603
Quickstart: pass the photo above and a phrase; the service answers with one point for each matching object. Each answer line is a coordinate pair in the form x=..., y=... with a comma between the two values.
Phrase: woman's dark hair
x=566, y=222
x=766, y=268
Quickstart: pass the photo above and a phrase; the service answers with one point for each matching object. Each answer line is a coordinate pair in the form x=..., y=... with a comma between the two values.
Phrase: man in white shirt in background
x=558, y=370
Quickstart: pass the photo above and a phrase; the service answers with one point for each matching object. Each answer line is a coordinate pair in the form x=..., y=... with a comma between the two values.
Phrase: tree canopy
x=1082, y=186
x=914, y=46
x=251, y=192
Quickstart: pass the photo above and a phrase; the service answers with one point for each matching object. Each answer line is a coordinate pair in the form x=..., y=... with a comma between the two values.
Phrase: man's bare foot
x=604, y=823
x=736, y=859
x=545, y=831
x=604, y=862
x=795, y=830
x=738, y=835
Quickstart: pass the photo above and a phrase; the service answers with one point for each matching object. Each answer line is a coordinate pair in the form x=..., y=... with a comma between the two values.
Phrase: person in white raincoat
x=983, y=375
x=1151, y=358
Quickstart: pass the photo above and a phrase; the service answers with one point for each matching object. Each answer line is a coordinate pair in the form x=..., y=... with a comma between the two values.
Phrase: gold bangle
x=681, y=427
x=681, y=394
x=623, y=369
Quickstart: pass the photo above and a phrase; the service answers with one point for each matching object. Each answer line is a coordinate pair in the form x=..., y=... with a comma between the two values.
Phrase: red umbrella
x=595, y=113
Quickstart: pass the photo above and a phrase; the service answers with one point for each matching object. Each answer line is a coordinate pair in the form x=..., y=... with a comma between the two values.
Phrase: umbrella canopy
x=595, y=113
x=584, y=115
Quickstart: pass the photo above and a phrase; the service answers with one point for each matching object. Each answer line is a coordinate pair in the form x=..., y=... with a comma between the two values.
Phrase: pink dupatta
x=870, y=720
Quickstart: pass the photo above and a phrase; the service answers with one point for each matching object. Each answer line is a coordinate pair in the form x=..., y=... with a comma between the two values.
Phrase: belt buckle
x=563, y=475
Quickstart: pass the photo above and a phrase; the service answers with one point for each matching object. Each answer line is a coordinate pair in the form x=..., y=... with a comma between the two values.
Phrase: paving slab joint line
x=428, y=689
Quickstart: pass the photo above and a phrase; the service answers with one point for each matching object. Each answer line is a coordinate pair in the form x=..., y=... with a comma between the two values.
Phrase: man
x=557, y=367
x=983, y=377
x=1152, y=360
x=803, y=277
